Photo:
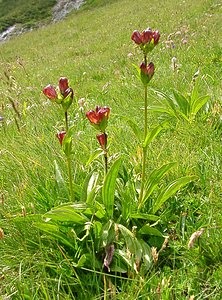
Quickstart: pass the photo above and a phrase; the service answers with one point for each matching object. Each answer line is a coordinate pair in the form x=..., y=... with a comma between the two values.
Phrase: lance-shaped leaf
x=68, y=213
x=108, y=189
x=154, y=179
x=153, y=133
x=147, y=229
x=54, y=233
x=89, y=187
x=170, y=190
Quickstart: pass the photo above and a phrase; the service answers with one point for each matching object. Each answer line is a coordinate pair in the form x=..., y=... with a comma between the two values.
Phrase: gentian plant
x=108, y=228
x=146, y=41
x=63, y=95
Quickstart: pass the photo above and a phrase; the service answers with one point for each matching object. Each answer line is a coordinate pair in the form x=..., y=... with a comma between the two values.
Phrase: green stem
x=71, y=193
x=66, y=121
x=70, y=179
x=105, y=162
x=144, y=149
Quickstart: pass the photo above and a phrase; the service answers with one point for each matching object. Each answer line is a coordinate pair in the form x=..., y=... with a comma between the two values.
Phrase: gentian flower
x=102, y=139
x=62, y=95
x=147, y=39
x=63, y=85
x=99, y=117
x=136, y=37
x=50, y=92
x=146, y=72
x=60, y=135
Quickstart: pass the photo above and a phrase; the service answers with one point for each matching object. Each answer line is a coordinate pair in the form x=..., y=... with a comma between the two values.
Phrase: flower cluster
x=99, y=119
x=63, y=94
x=147, y=39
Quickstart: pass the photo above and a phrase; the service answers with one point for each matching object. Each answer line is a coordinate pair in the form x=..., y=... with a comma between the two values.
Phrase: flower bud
x=63, y=85
x=136, y=37
x=156, y=37
x=69, y=92
x=50, y=92
x=146, y=72
x=60, y=135
x=102, y=139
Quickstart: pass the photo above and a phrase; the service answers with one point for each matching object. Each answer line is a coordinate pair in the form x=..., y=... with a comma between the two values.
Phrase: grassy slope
x=27, y=13
x=91, y=47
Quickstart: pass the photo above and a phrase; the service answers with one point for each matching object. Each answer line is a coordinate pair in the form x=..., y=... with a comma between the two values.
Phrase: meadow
x=72, y=227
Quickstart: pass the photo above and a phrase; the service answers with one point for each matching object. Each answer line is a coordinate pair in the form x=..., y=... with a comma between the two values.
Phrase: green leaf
x=89, y=187
x=107, y=234
x=108, y=189
x=154, y=179
x=67, y=214
x=170, y=190
x=97, y=153
x=147, y=255
x=144, y=217
x=54, y=232
x=131, y=241
x=182, y=102
x=67, y=143
x=147, y=229
x=136, y=129
x=59, y=179
x=153, y=133
x=198, y=104
x=161, y=109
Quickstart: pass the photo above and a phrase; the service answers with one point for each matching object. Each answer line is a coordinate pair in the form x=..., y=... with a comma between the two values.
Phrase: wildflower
x=147, y=39
x=1, y=119
x=136, y=37
x=99, y=117
x=50, y=92
x=60, y=135
x=146, y=72
x=109, y=256
x=102, y=139
x=63, y=85
x=62, y=95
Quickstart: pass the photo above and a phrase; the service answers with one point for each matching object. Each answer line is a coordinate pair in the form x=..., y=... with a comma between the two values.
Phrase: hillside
x=74, y=223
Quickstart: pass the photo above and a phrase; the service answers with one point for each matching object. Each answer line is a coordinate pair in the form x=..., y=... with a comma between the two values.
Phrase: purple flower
x=60, y=135
x=50, y=92
x=99, y=117
x=102, y=139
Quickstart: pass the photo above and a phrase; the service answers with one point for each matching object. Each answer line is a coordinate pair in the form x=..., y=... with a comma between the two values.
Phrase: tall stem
x=105, y=162
x=144, y=148
x=68, y=159
x=66, y=121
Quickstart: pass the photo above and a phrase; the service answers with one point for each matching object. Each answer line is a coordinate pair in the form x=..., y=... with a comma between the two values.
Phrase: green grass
x=27, y=13
x=92, y=47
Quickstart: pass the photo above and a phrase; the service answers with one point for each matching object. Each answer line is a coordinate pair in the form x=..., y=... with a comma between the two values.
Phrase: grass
x=93, y=49
x=27, y=13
